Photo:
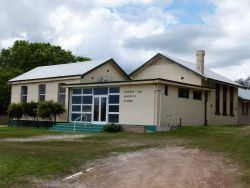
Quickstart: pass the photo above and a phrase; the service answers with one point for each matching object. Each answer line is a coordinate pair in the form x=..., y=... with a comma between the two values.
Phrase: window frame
x=41, y=94
x=81, y=112
x=181, y=92
x=197, y=95
x=61, y=94
x=24, y=95
x=80, y=93
x=217, y=99
x=231, y=102
x=224, y=109
x=166, y=90
x=244, y=110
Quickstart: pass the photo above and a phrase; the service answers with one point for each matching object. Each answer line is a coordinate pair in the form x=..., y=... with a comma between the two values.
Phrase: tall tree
x=24, y=56
x=244, y=82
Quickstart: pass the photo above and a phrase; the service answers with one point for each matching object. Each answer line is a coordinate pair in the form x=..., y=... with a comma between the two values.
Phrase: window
x=224, y=100
x=83, y=103
x=114, y=99
x=197, y=95
x=166, y=90
x=76, y=99
x=244, y=109
x=113, y=108
x=24, y=94
x=183, y=93
x=77, y=91
x=101, y=91
x=231, y=101
x=87, y=100
x=61, y=94
x=76, y=108
x=87, y=91
x=113, y=105
x=87, y=108
x=114, y=90
x=113, y=118
x=217, y=99
x=75, y=117
x=42, y=92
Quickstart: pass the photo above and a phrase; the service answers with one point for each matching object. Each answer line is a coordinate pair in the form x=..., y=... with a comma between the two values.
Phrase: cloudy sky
x=132, y=31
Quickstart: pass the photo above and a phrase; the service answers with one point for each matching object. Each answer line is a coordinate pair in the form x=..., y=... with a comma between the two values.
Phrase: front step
x=79, y=127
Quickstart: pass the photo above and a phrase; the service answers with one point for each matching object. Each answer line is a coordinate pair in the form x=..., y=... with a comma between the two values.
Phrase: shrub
x=57, y=110
x=30, y=109
x=15, y=111
x=112, y=128
x=50, y=110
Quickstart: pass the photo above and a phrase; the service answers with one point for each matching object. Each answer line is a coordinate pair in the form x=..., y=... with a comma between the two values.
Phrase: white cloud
x=235, y=71
x=101, y=32
x=132, y=30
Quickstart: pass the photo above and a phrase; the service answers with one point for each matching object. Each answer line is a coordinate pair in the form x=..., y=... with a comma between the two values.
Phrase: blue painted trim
x=150, y=128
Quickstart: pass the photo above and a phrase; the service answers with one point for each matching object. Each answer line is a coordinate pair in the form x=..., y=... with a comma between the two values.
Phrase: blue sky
x=132, y=31
x=191, y=11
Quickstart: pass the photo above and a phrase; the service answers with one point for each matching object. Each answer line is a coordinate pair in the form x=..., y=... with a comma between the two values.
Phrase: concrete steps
x=79, y=127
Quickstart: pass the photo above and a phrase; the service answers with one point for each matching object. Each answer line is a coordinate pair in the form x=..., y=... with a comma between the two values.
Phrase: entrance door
x=100, y=109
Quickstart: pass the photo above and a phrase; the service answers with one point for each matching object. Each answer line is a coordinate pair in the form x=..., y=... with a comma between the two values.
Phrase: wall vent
x=105, y=79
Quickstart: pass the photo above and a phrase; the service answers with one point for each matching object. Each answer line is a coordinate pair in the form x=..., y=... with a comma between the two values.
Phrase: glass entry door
x=100, y=109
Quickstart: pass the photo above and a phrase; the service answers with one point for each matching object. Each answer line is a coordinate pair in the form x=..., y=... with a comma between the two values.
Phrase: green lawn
x=22, y=162
x=6, y=132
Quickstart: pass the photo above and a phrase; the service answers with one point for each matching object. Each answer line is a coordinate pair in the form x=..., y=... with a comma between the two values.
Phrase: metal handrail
x=78, y=119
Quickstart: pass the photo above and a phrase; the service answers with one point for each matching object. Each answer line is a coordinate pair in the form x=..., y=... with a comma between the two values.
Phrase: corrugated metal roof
x=207, y=72
x=244, y=94
x=80, y=68
x=52, y=71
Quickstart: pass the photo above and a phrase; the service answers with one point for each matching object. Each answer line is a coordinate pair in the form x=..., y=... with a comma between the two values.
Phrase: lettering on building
x=130, y=95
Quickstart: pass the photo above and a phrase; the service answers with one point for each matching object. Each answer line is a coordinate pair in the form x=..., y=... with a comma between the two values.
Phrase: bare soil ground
x=45, y=138
x=170, y=167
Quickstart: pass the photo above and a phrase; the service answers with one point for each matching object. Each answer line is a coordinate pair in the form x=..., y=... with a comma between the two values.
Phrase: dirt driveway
x=171, y=167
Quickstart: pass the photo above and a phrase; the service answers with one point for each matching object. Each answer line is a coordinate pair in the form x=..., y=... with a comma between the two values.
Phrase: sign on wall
x=130, y=95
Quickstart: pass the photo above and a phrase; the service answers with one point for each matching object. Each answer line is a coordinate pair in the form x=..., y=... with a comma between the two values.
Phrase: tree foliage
x=24, y=56
x=244, y=82
x=50, y=110
x=30, y=109
x=15, y=111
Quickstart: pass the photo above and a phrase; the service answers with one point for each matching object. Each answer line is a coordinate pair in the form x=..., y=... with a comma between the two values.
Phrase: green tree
x=244, y=82
x=50, y=110
x=57, y=110
x=30, y=109
x=15, y=111
x=24, y=56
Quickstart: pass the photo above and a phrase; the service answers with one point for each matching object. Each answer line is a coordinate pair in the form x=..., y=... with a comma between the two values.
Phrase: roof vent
x=105, y=79
x=200, y=54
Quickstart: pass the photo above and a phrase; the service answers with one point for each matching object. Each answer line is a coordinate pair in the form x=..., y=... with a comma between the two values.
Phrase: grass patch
x=20, y=162
x=6, y=132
